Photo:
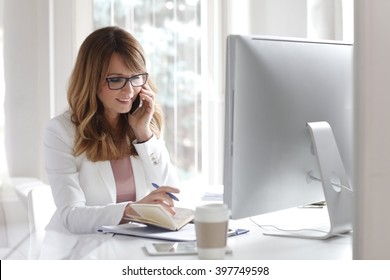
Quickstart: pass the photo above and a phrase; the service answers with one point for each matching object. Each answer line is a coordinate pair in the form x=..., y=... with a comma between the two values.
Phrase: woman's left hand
x=141, y=118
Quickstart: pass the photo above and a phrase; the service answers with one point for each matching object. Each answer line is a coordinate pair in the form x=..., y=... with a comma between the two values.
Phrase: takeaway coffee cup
x=211, y=226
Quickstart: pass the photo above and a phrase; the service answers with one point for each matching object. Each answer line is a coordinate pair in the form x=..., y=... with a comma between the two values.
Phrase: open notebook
x=156, y=215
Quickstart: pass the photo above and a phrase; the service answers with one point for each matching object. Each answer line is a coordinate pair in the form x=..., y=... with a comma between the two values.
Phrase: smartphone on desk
x=174, y=248
x=137, y=103
x=171, y=248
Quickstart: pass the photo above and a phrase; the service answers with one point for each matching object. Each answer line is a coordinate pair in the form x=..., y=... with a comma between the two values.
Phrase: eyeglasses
x=116, y=83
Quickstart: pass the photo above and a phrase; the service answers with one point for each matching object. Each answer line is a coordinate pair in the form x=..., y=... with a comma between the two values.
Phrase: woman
x=100, y=158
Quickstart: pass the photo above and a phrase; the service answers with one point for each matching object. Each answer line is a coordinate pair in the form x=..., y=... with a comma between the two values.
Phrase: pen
x=168, y=193
x=234, y=232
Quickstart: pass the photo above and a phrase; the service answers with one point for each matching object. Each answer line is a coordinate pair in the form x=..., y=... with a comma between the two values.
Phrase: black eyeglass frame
x=126, y=80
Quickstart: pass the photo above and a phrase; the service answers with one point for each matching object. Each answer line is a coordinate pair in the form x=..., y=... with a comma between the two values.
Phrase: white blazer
x=84, y=192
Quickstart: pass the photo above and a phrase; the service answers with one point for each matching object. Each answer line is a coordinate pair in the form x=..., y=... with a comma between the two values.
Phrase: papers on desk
x=213, y=193
x=186, y=233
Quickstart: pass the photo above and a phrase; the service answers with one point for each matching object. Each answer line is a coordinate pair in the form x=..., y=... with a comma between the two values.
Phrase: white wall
x=279, y=17
x=315, y=19
x=40, y=44
x=26, y=74
x=372, y=226
x=267, y=17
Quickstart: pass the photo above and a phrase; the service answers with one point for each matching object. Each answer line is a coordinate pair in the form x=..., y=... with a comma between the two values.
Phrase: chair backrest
x=3, y=221
x=41, y=207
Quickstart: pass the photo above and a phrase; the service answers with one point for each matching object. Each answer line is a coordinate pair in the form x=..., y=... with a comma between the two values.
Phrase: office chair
x=40, y=207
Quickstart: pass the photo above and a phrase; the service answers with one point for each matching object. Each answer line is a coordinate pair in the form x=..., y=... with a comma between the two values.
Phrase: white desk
x=252, y=245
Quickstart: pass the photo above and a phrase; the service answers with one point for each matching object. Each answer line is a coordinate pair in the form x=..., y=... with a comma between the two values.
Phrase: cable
x=264, y=227
x=332, y=183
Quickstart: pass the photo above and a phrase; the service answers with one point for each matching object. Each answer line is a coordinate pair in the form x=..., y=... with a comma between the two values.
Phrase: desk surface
x=252, y=245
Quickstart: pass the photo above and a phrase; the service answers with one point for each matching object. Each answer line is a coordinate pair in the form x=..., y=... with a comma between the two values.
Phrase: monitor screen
x=274, y=87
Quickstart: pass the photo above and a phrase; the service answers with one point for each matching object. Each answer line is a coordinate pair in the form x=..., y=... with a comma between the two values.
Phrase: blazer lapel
x=105, y=171
x=141, y=185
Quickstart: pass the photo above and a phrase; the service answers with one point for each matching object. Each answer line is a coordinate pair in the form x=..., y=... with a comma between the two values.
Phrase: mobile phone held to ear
x=137, y=103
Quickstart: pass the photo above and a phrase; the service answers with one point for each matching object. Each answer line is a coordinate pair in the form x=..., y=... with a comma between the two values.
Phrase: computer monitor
x=274, y=87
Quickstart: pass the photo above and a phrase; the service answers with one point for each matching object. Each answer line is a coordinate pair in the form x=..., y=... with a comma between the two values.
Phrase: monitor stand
x=338, y=196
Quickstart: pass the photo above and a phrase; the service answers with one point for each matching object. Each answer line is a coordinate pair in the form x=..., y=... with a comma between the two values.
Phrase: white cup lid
x=215, y=212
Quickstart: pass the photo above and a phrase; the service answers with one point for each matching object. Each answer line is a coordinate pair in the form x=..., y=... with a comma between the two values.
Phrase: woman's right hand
x=157, y=196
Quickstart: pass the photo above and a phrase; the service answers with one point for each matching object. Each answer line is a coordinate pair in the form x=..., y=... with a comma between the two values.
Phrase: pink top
x=124, y=179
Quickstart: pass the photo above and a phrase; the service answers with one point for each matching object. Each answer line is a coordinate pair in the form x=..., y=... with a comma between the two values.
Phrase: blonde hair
x=94, y=136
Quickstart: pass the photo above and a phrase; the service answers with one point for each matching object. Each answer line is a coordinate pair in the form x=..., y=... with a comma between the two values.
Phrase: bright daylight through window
x=170, y=33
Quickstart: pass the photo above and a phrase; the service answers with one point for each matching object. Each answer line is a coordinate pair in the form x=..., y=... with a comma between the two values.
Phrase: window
x=185, y=44
x=170, y=32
